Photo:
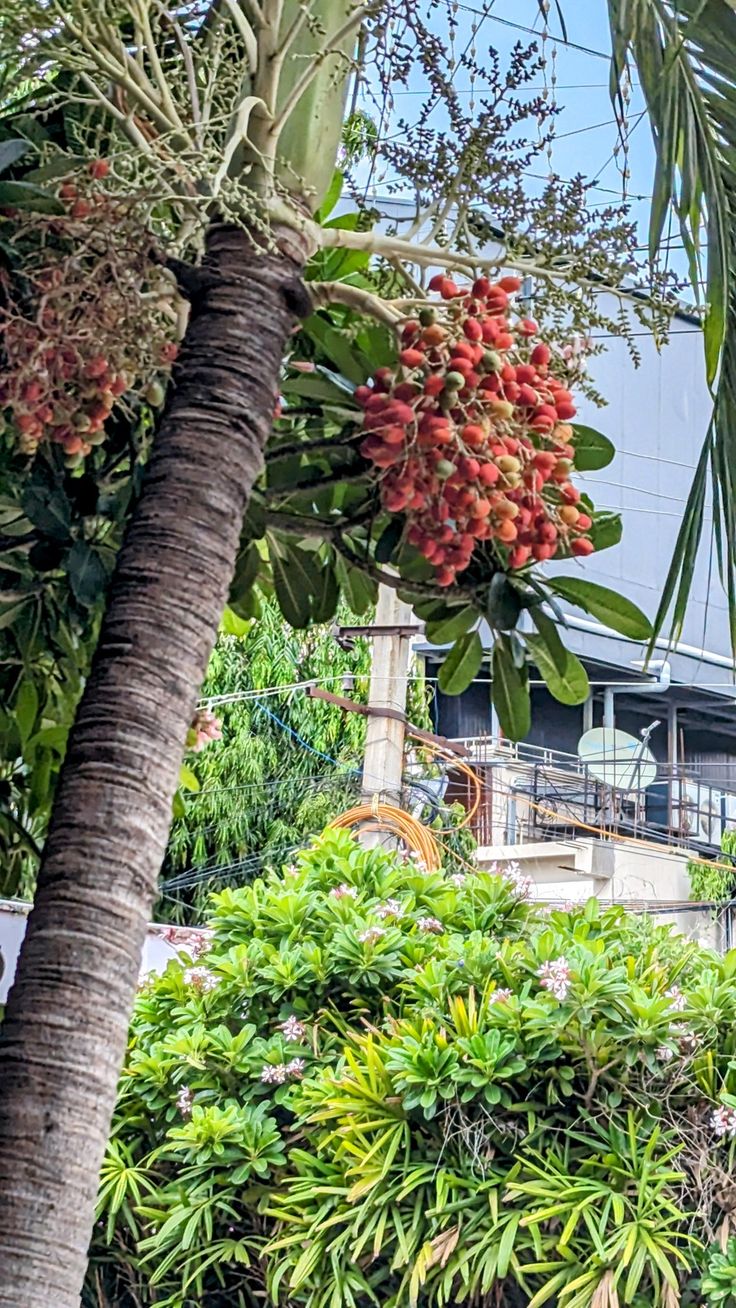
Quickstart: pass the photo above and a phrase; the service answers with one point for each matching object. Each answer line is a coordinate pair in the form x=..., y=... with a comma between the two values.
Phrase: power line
x=522, y=27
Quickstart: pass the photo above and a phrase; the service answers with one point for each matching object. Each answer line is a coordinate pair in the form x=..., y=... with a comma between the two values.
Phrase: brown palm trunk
x=64, y=1034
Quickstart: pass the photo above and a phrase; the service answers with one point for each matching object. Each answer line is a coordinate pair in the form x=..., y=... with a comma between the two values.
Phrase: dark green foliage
x=383, y=1086
x=286, y=763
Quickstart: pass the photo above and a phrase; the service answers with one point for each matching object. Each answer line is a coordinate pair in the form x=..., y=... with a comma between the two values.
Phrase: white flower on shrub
x=343, y=891
x=279, y=1073
x=201, y=979
x=431, y=924
x=292, y=1028
x=555, y=977
x=417, y=862
x=391, y=908
x=664, y=1053
x=370, y=934
x=499, y=996
x=184, y=1101
x=723, y=1122
x=458, y=879
x=678, y=1001
x=273, y=1073
x=521, y=885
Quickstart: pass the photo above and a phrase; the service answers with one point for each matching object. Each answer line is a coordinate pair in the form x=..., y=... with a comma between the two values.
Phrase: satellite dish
x=617, y=759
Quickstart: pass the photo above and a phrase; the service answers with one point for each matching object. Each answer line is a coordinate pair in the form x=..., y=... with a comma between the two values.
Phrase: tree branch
x=391, y=579
x=329, y=444
x=347, y=476
x=353, y=297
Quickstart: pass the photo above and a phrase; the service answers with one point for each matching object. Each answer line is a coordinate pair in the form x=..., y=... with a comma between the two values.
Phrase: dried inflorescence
x=86, y=316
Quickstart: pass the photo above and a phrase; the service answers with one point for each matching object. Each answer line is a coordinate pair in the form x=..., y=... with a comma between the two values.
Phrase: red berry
x=473, y=329
x=582, y=546
x=412, y=358
x=99, y=168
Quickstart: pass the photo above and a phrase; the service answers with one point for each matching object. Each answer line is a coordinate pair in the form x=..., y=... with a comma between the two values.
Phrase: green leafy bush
x=709, y=882
x=385, y=1086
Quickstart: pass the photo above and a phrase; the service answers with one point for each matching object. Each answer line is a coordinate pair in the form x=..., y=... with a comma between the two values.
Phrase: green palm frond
x=684, y=52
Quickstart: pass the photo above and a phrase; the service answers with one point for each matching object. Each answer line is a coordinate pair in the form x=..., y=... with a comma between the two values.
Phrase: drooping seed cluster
x=83, y=325
x=471, y=434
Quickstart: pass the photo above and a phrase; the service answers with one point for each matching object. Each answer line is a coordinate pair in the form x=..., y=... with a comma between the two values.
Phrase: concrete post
x=384, y=740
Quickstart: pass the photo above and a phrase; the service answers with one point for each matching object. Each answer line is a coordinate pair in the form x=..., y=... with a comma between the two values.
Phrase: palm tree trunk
x=64, y=1035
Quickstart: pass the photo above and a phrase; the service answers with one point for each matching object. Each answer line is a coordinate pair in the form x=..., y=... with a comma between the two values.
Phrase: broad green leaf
x=188, y=780
x=504, y=603
x=246, y=570
x=325, y=599
x=87, y=573
x=48, y=510
x=314, y=386
x=296, y=581
x=569, y=685
x=233, y=625
x=452, y=623
x=462, y=664
x=331, y=198
x=360, y=591
x=606, y=531
x=11, y=151
x=26, y=708
x=592, y=449
x=551, y=637
x=610, y=608
x=339, y=348
x=23, y=195
x=510, y=692
x=8, y=616
x=388, y=540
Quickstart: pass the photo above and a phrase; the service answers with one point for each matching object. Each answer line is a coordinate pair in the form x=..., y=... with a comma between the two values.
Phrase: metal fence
x=549, y=794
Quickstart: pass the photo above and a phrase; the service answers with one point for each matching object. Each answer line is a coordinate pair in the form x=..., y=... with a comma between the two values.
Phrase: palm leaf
x=684, y=54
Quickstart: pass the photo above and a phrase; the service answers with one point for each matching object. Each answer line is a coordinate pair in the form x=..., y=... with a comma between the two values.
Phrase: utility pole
x=384, y=741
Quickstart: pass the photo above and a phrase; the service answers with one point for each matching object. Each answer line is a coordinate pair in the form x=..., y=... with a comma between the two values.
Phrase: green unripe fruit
x=445, y=469
x=492, y=361
x=96, y=437
x=454, y=381
x=154, y=394
x=73, y=460
x=427, y=317
x=81, y=422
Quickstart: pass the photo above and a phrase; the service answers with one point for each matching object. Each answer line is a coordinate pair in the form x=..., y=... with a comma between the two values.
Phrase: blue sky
x=586, y=132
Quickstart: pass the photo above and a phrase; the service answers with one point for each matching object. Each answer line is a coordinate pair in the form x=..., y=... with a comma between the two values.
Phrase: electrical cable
x=394, y=821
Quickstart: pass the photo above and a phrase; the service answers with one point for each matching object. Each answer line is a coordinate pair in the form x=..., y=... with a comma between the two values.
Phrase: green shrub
x=381, y=1086
x=714, y=883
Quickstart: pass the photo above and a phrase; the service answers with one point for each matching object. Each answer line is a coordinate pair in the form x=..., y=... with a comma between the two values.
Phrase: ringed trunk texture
x=63, y=1039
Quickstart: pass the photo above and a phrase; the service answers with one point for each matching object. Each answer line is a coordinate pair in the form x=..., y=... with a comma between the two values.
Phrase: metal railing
x=534, y=793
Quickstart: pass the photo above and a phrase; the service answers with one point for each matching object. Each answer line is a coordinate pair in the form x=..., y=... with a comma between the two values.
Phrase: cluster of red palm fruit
x=471, y=434
x=70, y=354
